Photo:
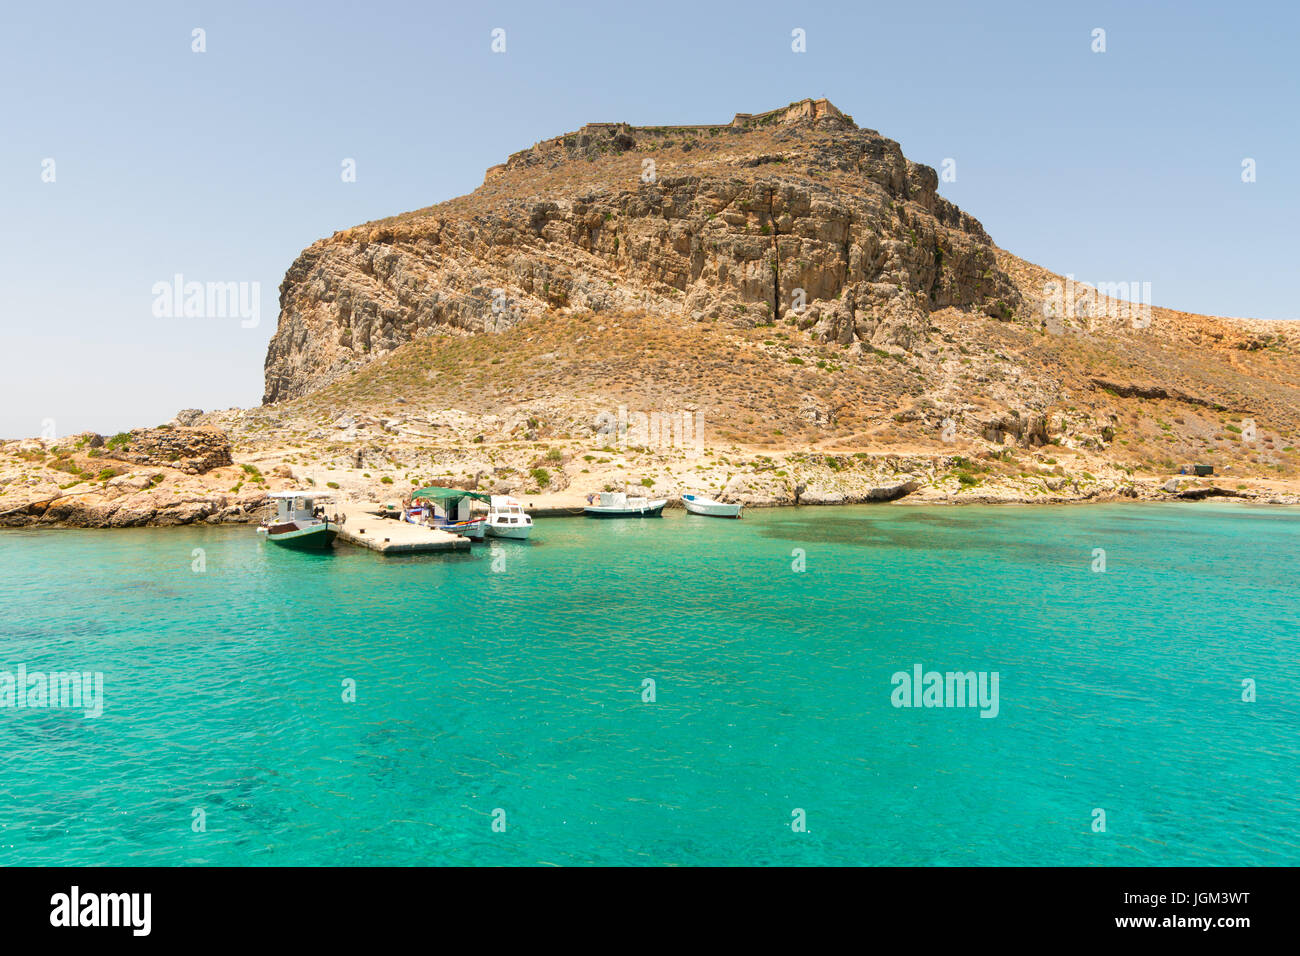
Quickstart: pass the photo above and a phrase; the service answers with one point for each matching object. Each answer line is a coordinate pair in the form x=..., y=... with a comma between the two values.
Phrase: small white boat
x=299, y=523
x=700, y=505
x=616, y=504
x=506, y=518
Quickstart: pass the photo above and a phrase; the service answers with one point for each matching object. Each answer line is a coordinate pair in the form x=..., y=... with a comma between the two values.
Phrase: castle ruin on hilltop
x=621, y=134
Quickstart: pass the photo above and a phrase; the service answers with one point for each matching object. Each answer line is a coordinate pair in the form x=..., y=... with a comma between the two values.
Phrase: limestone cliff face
x=795, y=215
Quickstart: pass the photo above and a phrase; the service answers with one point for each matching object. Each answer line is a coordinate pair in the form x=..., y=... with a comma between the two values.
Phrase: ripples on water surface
x=522, y=690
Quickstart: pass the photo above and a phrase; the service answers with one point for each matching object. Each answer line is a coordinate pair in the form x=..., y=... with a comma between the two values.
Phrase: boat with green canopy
x=448, y=509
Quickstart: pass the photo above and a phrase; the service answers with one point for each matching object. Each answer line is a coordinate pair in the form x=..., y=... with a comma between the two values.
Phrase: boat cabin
x=508, y=511
x=297, y=505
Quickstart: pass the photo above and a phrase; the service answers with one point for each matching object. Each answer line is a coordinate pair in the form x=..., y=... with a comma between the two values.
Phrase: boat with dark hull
x=299, y=522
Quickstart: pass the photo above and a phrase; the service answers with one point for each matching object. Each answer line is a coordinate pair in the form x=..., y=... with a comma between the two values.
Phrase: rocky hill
x=780, y=309
x=794, y=215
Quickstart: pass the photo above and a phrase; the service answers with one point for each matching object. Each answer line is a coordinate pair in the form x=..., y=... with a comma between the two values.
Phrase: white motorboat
x=700, y=505
x=616, y=504
x=506, y=518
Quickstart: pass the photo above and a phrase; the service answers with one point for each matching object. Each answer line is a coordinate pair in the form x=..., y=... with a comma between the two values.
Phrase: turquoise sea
x=513, y=681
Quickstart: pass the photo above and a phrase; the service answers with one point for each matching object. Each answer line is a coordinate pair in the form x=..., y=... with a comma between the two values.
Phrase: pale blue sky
x=222, y=166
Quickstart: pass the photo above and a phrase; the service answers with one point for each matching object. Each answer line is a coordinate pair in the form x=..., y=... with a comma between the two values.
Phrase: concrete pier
x=360, y=525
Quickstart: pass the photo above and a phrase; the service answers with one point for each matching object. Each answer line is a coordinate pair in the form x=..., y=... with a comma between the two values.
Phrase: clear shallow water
x=521, y=689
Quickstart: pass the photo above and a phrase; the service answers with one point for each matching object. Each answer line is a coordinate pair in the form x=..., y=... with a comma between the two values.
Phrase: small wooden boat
x=473, y=528
x=506, y=518
x=616, y=504
x=700, y=505
x=299, y=523
x=448, y=509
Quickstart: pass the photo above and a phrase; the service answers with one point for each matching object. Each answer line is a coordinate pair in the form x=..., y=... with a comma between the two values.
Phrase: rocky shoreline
x=99, y=511
x=93, y=511
x=185, y=475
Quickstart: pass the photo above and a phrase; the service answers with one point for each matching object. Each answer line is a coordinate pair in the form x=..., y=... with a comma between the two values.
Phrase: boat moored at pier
x=449, y=509
x=299, y=522
x=506, y=518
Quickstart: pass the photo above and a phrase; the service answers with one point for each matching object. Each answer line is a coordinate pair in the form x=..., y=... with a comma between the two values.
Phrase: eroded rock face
x=797, y=214
x=157, y=507
x=1026, y=428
